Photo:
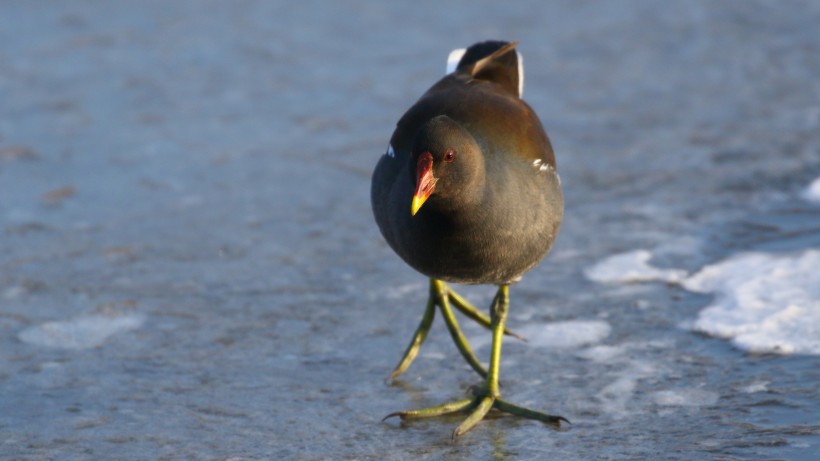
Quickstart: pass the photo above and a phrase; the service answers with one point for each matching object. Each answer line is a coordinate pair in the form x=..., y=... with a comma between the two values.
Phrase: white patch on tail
x=453, y=59
x=456, y=55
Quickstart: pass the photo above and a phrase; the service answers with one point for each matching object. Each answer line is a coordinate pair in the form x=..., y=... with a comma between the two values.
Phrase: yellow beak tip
x=416, y=204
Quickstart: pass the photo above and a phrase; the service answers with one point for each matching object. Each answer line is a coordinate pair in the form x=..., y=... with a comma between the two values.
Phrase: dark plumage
x=497, y=206
x=468, y=192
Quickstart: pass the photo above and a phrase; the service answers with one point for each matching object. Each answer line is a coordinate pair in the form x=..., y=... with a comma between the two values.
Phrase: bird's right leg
x=455, y=331
x=439, y=296
x=418, y=338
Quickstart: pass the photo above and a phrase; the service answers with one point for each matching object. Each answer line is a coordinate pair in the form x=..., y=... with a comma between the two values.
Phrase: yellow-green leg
x=441, y=295
x=418, y=338
x=490, y=396
x=470, y=311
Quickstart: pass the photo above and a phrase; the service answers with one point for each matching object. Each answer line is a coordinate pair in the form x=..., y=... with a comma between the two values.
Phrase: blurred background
x=189, y=267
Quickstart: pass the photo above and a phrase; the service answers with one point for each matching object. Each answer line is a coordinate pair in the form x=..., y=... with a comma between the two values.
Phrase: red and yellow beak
x=425, y=182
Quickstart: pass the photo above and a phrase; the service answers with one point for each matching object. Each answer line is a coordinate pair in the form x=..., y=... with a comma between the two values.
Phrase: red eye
x=449, y=156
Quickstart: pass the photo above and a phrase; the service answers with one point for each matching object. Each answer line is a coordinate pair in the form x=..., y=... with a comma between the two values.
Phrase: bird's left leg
x=498, y=314
x=492, y=395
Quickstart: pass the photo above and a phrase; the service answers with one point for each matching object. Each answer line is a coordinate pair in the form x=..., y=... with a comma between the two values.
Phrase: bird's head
x=446, y=164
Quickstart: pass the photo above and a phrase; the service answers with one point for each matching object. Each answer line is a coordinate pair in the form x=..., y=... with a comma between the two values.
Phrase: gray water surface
x=203, y=169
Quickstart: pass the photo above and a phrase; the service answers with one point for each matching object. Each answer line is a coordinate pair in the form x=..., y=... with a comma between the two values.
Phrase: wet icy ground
x=189, y=267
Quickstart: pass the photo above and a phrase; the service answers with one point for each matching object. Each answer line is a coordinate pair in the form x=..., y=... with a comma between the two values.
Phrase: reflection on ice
x=616, y=397
x=80, y=332
x=569, y=334
x=686, y=397
x=757, y=386
x=602, y=353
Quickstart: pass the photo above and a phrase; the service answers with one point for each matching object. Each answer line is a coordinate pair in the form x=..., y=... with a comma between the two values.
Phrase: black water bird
x=468, y=192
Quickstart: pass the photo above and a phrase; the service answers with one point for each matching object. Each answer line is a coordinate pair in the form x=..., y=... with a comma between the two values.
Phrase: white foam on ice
x=568, y=334
x=80, y=332
x=812, y=192
x=632, y=266
x=766, y=303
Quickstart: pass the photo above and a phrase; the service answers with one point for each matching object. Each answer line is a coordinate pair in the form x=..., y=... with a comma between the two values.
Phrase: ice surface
x=616, y=396
x=764, y=302
x=221, y=158
x=80, y=332
x=569, y=334
x=631, y=267
x=812, y=193
x=686, y=397
x=757, y=386
x=601, y=353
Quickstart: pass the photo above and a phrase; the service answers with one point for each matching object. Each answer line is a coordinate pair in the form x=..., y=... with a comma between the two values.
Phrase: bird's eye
x=449, y=156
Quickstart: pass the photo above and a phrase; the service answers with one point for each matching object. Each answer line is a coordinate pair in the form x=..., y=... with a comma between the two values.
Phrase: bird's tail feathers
x=492, y=61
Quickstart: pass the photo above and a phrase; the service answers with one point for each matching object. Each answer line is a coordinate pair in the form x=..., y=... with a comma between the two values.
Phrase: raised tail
x=493, y=61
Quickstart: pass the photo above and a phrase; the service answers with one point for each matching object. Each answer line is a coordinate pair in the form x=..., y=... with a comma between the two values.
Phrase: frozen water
x=602, y=353
x=763, y=302
x=567, y=334
x=81, y=332
x=812, y=192
x=206, y=165
x=757, y=386
x=632, y=266
x=618, y=396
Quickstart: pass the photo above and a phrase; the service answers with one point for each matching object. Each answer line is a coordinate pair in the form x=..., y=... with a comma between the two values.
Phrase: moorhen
x=467, y=192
